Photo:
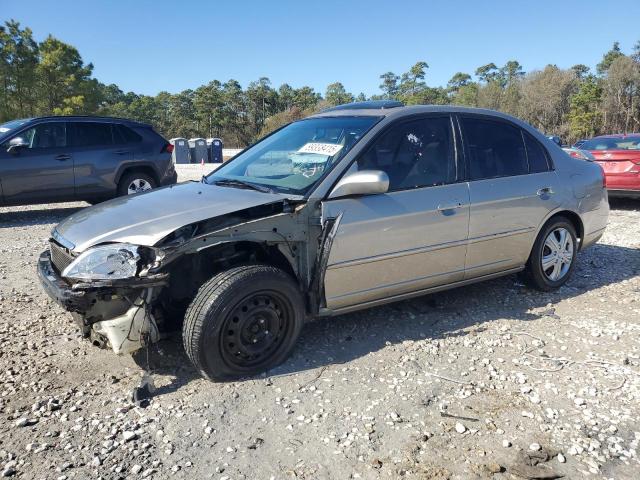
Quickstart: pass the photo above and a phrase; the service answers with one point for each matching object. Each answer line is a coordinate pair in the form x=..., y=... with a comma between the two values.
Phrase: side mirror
x=365, y=182
x=15, y=144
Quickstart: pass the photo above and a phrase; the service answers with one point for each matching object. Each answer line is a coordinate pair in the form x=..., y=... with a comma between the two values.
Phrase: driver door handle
x=450, y=206
x=63, y=157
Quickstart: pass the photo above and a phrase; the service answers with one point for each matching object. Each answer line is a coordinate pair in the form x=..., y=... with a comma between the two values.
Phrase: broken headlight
x=106, y=262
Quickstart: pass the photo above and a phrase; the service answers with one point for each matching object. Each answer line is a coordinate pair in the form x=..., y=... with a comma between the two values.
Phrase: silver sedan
x=351, y=208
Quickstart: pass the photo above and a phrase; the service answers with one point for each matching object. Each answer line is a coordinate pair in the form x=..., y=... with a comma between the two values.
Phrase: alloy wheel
x=138, y=185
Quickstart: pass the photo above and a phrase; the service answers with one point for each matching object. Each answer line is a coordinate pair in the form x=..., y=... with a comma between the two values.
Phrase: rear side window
x=91, y=134
x=123, y=134
x=538, y=159
x=414, y=154
x=496, y=149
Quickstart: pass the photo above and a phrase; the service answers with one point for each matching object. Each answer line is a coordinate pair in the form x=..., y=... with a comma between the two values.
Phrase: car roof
x=90, y=118
x=411, y=110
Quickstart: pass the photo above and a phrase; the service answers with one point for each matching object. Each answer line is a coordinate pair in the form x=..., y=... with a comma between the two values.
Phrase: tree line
x=50, y=77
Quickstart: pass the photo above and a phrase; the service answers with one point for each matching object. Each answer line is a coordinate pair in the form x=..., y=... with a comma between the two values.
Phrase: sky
x=148, y=46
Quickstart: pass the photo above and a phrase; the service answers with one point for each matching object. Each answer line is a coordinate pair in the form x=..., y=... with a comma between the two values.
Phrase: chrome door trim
x=508, y=233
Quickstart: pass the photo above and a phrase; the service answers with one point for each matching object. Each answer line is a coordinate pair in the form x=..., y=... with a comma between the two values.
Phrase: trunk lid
x=618, y=161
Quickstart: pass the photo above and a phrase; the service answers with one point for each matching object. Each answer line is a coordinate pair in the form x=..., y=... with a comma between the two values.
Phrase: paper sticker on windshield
x=328, y=149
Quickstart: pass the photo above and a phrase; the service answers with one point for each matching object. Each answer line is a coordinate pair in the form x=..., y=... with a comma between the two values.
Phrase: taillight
x=604, y=176
x=167, y=148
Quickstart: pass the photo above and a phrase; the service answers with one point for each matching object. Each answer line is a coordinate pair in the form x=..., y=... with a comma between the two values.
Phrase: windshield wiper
x=229, y=182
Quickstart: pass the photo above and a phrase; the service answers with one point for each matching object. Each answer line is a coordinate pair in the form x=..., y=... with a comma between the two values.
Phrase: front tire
x=243, y=321
x=553, y=256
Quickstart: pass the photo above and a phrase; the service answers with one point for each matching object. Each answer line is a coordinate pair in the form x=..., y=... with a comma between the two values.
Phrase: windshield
x=5, y=127
x=293, y=159
x=612, y=143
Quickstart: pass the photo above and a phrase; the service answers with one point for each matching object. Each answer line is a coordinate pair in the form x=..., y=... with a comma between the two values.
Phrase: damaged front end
x=116, y=311
x=125, y=296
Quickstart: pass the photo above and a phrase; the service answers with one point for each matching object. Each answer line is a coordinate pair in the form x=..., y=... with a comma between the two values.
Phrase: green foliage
x=51, y=77
x=585, y=117
x=608, y=58
x=337, y=95
x=389, y=84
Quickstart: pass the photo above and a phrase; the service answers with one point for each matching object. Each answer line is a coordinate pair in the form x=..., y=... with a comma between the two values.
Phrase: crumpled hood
x=146, y=218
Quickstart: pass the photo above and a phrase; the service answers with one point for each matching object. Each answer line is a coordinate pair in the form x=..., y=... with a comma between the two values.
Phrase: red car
x=619, y=156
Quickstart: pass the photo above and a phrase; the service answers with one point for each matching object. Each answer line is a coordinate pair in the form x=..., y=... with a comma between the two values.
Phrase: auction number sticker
x=328, y=149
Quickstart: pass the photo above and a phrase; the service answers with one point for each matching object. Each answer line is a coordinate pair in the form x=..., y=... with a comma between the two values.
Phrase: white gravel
x=455, y=385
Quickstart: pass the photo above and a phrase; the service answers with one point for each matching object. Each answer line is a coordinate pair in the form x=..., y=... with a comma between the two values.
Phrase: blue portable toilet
x=216, y=150
x=181, y=152
x=198, y=147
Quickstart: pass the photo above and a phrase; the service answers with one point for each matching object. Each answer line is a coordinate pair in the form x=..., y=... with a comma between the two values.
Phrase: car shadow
x=31, y=217
x=628, y=204
x=344, y=338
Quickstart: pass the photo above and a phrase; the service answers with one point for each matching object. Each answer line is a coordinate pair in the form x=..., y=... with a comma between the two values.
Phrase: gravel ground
x=488, y=380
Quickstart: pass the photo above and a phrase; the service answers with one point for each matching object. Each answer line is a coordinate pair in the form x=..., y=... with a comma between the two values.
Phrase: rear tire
x=243, y=321
x=135, y=182
x=553, y=256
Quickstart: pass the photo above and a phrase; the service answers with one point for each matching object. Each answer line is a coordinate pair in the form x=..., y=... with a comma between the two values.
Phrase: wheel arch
x=137, y=168
x=570, y=215
x=189, y=272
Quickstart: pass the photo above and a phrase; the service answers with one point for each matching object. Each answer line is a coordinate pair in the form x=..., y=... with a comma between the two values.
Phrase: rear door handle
x=545, y=191
x=450, y=206
x=63, y=157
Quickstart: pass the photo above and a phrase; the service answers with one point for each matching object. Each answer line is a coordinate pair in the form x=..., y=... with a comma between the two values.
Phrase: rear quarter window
x=536, y=154
x=124, y=134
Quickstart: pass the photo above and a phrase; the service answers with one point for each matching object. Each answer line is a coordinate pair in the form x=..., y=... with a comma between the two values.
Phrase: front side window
x=414, y=154
x=495, y=149
x=88, y=134
x=293, y=159
x=45, y=135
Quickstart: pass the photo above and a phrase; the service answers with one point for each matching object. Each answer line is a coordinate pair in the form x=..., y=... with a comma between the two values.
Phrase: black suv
x=59, y=159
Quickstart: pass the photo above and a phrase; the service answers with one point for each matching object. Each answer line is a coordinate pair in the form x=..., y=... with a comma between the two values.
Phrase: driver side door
x=414, y=236
x=40, y=172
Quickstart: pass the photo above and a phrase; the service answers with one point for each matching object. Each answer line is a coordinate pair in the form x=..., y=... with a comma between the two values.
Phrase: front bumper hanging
x=130, y=329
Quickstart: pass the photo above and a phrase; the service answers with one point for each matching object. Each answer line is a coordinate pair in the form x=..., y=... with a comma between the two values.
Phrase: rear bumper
x=623, y=182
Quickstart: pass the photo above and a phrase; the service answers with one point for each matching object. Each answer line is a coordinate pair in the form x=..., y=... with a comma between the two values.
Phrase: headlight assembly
x=107, y=262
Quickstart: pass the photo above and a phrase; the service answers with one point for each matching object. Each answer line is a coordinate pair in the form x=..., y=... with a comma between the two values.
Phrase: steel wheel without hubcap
x=243, y=321
x=557, y=254
x=138, y=185
x=255, y=329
